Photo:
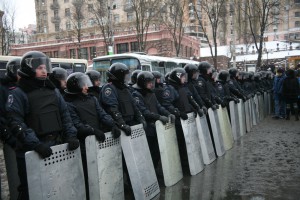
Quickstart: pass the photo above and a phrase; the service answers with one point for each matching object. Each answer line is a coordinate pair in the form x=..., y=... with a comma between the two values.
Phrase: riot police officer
x=212, y=75
x=87, y=115
x=151, y=109
x=117, y=100
x=59, y=78
x=202, y=86
x=133, y=80
x=37, y=114
x=234, y=86
x=9, y=82
x=95, y=77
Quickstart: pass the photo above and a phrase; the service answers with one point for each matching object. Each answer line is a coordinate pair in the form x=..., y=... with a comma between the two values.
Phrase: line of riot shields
x=61, y=175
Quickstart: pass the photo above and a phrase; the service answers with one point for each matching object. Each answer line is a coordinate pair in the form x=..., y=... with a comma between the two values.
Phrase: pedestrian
x=37, y=113
x=280, y=107
x=291, y=91
x=87, y=115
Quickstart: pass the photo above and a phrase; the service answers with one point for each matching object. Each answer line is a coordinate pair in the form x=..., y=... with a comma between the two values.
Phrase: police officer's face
x=41, y=72
x=97, y=83
x=150, y=85
x=183, y=79
x=195, y=75
x=63, y=84
x=85, y=89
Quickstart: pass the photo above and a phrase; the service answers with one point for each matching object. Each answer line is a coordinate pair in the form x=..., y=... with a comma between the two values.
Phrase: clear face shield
x=214, y=76
x=150, y=84
x=183, y=78
x=43, y=62
x=195, y=75
x=84, y=82
x=127, y=78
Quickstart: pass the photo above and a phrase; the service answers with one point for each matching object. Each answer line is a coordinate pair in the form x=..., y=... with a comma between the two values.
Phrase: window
x=134, y=46
x=44, y=16
x=43, y=2
x=297, y=14
x=93, y=53
x=72, y=53
x=129, y=17
x=297, y=23
x=55, y=54
x=56, y=27
x=117, y=18
x=55, y=13
x=122, y=48
x=45, y=29
x=83, y=53
x=91, y=22
x=68, y=25
x=90, y=7
x=67, y=12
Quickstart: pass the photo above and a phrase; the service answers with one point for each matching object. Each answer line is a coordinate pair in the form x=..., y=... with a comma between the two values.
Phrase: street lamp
x=111, y=33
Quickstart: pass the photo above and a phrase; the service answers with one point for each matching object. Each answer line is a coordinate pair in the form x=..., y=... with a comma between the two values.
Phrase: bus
x=138, y=61
x=71, y=65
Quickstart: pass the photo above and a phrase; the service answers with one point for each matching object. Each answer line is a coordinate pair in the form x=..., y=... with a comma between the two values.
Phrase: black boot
x=287, y=114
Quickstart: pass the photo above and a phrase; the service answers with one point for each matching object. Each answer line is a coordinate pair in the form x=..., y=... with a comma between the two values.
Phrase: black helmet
x=117, y=72
x=223, y=75
x=190, y=70
x=157, y=75
x=93, y=75
x=251, y=76
x=213, y=73
x=143, y=78
x=233, y=72
x=58, y=74
x=241, y=75
x=32, y=60
x=257, y=76
x=176, y=74
x=12, y=67
x=134, y=76
x=203, y=67
x=167, y=77
x=76, y=81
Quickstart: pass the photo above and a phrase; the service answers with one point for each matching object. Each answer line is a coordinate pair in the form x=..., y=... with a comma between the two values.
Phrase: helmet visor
x=34, y=63
x=84, y=81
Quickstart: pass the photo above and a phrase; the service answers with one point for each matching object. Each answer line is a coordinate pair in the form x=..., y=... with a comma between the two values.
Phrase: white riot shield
x=242, y=120
x=58, y=177
x=266, y=104
x=269, y=103
x=250, y=112
x=247, y=115
x=216, y=131
x=174, y=192
x=139, y=163
x=104, y=165
x=261, y=107
x=256, y=109
x=226, y=130
x=207, y=148
x=234, y=116
x=192, y=142
x=12, y=171
x=169, y=153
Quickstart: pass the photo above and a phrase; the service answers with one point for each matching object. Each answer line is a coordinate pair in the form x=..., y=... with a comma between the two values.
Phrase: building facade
x=2, y=32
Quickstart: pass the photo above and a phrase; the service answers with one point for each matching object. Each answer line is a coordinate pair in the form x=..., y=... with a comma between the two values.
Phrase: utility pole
x=232, y=44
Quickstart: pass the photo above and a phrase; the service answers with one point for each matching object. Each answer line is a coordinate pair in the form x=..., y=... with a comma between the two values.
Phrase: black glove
x=84, y=131
x=176, y=112
x=204, y=110
x=164, y=119
x=143, y=121
x=217, y=106
x=100, y=136
x=4, y=134
x=116, y=132
x=244, y=98
x=200, y=112
x=213, y=107
x=183, y=116
x=172, y=118
x=126, y=129
x=223, y=104
x=73, y=143
x=43, y=150
x=236, y=101
x=17, y=130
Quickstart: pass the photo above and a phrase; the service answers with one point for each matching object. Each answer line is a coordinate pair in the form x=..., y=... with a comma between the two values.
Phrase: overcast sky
x=25, y=11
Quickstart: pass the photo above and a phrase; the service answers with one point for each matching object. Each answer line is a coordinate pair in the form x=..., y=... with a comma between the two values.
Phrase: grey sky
x=25, y=11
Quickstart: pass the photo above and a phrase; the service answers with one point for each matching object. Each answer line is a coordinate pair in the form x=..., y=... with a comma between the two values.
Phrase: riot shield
x=192, y=142
x=266, y=104
x=234, y=116
x=139, y=163
x=256, y=109
x=12, y=171
x=207, y=149
x=169, y=153
x=242, y=120
x=216, y=131
x=104, y=165
x=225, y=128
x=261, y=107
x=247, y=115
x=58, y=177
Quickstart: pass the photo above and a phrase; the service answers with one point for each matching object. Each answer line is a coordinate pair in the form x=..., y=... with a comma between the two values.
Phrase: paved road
x=262, y=165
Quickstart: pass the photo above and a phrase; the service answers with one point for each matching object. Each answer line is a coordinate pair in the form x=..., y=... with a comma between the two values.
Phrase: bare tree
x=261, y=14
x=173, y=21
x=214, y=11
x=8, y=31
x=102, y=13
x=144, y=11
x=77, y=18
